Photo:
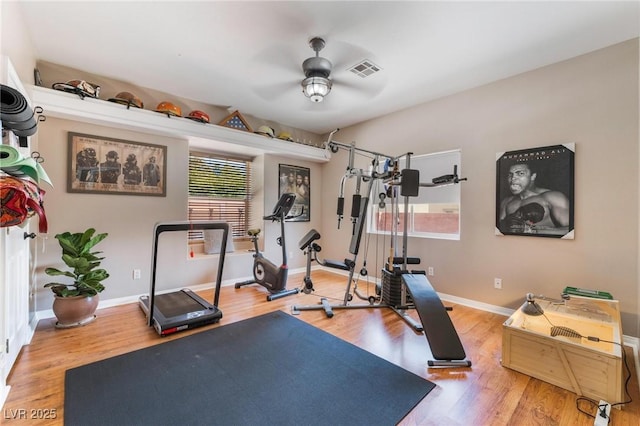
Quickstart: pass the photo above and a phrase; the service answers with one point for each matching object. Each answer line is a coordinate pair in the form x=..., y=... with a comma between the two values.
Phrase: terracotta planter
x=74, y=311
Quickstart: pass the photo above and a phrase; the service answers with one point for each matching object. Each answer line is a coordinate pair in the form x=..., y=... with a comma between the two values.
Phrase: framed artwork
x=104, y=165
x=297, y=180
x=535, y=192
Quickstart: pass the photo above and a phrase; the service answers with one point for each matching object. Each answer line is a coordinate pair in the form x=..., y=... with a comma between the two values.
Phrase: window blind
x=220, y=190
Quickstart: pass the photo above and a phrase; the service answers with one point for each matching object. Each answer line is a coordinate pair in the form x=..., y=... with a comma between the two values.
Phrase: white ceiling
x=248, y=55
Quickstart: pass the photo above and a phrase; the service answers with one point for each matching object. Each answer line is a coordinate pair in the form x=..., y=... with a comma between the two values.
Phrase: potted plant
x=75, y=303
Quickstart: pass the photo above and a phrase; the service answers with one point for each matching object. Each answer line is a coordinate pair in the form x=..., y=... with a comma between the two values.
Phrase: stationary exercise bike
x=265, y=272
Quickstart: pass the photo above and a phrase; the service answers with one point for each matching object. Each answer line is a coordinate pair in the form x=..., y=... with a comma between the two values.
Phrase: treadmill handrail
x=195, y=225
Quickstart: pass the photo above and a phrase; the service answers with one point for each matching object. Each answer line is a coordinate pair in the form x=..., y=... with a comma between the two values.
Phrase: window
x=435, y=212
x=220, y=190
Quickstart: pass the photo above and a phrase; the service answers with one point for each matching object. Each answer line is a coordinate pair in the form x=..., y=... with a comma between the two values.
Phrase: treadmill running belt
x=177, y=303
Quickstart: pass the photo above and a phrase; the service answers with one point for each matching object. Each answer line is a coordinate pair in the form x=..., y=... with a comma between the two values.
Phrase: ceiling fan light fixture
x=316, y=88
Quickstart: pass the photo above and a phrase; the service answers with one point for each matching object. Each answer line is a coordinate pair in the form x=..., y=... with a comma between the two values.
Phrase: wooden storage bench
x=588, y=368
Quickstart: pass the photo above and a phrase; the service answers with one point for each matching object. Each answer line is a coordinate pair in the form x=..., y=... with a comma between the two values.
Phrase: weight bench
x=441, y=335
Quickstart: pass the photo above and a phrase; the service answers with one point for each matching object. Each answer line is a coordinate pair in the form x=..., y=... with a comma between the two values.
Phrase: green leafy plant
x=77, y=255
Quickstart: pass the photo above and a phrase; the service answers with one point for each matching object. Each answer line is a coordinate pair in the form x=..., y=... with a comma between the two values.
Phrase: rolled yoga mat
x=13, y=163
x=15, y=112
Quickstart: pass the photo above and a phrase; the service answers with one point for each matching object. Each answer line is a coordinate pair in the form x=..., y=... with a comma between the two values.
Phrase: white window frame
x=430, y=166
x=238, y=230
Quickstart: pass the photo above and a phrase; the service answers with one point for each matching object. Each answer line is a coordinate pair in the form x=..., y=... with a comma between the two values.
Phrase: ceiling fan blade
x=278, y=57
x=277, y=70
x=275, y=90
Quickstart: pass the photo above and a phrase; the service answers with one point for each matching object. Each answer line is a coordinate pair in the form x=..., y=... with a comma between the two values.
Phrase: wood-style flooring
x=484, y=394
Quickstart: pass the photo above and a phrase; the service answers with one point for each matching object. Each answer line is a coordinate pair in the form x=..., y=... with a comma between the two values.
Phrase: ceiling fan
x=317, y=70
x=320, y=75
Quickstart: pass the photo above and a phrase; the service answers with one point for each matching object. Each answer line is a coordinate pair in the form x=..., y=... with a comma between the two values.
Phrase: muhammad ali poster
x=534, y=192
x=113, y=166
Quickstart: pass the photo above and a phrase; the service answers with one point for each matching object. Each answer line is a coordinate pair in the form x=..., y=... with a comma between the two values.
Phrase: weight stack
x=392, y=289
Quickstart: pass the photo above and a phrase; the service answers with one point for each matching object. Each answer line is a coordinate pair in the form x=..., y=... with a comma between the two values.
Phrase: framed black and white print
x=535, y=192
x=105, y=165
x=296, y=180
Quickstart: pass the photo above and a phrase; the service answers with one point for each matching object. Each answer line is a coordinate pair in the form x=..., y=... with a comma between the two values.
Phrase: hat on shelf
x=79, y=87
x=128, y=99
x=169, y=109
x=197, y=115
x=285, y=136
x=266, y=131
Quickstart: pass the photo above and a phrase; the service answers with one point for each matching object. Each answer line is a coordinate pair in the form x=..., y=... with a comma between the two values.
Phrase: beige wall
x=591, y=100
x=129, y=220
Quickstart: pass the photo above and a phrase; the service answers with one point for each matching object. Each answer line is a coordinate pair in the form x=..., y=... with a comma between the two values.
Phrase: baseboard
x=4, y=393
x=634, y=343
x=110, y=303
x=476, y=305
x=446, y=297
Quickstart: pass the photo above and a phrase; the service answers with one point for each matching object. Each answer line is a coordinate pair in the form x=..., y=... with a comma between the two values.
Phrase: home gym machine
x=364, y=184
x=266, y=273
x=181, y=310
x=441, y=335
x=400, y=288
x=359, y=206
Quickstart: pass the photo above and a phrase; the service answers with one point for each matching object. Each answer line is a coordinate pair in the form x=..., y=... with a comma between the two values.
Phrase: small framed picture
x=99, y=164
x=296, y=180
x=534, y=192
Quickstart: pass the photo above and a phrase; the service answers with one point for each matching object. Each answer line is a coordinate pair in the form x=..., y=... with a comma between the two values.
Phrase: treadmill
x=183, y=309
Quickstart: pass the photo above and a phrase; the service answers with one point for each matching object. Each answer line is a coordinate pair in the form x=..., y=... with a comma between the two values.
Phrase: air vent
x=365, y=68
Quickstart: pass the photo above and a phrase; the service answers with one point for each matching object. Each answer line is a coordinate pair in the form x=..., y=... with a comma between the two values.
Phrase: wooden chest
x=589, y=368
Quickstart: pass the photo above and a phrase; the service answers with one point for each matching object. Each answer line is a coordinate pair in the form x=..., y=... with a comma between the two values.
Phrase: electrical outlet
x=603, y=414
x=430, y=271
x=136, y=274
x=497, y=283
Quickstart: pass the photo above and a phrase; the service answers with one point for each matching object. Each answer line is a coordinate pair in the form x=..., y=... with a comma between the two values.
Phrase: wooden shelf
x=69, y=106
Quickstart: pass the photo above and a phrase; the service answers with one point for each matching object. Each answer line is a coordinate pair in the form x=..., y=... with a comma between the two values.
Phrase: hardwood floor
x=485, y=394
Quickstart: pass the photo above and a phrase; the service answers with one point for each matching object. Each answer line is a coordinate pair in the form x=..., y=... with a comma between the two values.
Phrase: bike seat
x=253, y=232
